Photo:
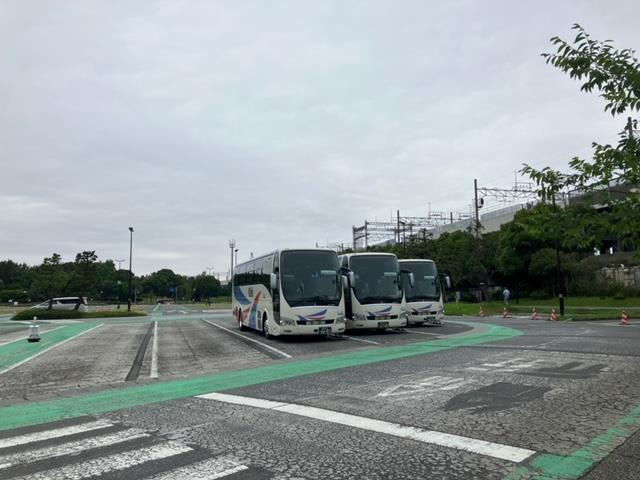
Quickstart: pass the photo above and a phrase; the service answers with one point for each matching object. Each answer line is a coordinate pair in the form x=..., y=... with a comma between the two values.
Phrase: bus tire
x=265, y=327
x=241, y=326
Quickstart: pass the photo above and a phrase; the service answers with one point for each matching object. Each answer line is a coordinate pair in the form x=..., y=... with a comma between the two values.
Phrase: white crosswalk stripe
x=61, y=457
x=118, y=461
x=69, y=448
x=55, y=433
x=206, y=470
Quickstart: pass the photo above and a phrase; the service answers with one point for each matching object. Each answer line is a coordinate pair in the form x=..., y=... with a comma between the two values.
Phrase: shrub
x=540, y=295
x=44, y=314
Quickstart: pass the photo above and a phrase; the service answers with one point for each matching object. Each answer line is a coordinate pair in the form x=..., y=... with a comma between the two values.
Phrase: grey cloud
x=279, y=123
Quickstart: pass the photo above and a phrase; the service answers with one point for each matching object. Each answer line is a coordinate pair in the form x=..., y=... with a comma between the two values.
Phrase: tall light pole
x=130, y=255
x=232, y=245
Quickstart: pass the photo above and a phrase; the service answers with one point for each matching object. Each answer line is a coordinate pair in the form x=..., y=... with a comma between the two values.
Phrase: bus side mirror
x=352, y=279
x=447, y=281
x=412, y=280
x=345, y=282
x=274, y=281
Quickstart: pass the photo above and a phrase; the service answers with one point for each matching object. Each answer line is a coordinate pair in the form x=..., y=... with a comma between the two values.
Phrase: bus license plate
x=324, y=331
x=383, y=324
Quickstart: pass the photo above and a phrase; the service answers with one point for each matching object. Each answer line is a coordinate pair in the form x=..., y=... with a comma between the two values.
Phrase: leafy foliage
x=615, y=75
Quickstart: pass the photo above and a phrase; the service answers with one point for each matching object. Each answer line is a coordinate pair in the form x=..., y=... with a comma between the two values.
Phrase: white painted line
x=361, y=340
x=248, y=401
x=8, y=369
x=111, y=463
x=481, y=447
x=227, y=472
x=205, y=470
x=425, y=386
x=54, y=433
x=279, y=352
x=154, y=352
x=69, y=448
x=424, y=333
x=23, y=338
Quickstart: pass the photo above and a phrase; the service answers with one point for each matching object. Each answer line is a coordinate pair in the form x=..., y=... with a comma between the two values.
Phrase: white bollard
x=34, y=332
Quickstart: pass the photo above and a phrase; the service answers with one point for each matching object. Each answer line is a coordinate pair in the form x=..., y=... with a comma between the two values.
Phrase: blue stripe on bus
x=237, y=292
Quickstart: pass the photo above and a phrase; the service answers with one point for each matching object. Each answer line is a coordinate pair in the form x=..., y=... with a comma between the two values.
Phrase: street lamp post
x=130, y=255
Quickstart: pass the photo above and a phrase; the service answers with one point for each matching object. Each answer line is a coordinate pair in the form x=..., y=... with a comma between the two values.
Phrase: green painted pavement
x=18, y=351
x=116, y=399
x=574, y=466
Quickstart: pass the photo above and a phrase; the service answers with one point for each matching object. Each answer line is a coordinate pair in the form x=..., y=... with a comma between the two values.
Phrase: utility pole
x=130, y=274
x=475, y=204
x=119, y=262
x=232, y=245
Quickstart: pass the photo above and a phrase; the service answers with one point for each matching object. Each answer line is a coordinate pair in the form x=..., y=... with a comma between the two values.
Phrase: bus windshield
x=377, y=279
x=426, y=285
x=310, y=278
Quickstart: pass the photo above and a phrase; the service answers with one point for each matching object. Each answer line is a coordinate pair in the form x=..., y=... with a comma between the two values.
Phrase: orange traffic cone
x=534, y=314
x=505, y=313
x=481, y=313
x=554, y=315
x=625, y=318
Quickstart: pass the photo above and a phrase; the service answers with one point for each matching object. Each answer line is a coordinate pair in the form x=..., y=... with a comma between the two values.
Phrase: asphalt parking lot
x=181, y=393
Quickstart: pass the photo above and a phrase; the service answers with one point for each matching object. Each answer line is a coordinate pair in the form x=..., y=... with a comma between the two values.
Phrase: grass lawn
x=578, y=308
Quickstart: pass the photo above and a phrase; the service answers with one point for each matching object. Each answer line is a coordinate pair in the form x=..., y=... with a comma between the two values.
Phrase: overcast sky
x=279, y=123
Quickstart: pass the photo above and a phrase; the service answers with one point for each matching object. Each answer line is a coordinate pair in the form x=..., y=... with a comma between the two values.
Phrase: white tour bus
x=424, y=298
x=373, y=291
x=290, y=292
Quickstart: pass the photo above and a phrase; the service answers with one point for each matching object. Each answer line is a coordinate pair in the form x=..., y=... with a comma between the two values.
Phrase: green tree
x=205, y=287
x=50, y=278
x=615, y=75
x=86, y=273
x=162, y=282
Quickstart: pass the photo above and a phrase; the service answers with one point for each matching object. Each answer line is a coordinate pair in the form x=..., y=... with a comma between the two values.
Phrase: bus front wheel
x=265, y=327
x=240, y=324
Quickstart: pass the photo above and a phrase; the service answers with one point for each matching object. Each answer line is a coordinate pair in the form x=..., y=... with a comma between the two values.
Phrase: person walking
x=506, y=294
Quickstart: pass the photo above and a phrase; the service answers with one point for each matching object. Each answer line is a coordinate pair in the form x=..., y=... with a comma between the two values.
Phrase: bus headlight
x=288, y=321
x=359, y=318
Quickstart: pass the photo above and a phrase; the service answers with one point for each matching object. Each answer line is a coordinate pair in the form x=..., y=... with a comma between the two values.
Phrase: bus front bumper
x=380, y=323
x=336, y=328
x=430, y=319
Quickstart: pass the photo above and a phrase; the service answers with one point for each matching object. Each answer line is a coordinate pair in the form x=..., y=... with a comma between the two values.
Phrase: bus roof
x=280, y=250
x=369, y=254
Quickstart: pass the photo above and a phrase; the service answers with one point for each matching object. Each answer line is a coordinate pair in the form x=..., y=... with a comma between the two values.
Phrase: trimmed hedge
x=44, y=314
